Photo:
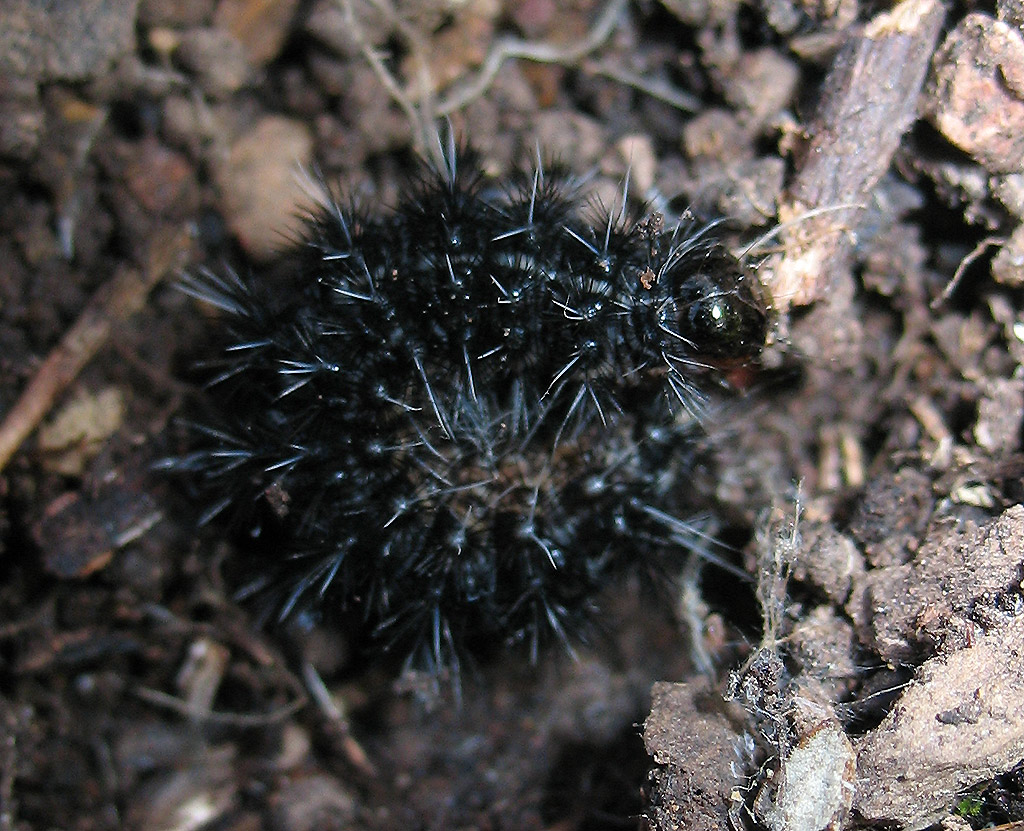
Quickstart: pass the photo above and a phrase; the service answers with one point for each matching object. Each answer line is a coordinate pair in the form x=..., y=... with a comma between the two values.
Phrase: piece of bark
x=79, y=533
x=816, y=786
x=869, y=100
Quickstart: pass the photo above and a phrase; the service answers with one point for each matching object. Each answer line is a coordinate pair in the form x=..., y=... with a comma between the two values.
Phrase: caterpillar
x=452, y=424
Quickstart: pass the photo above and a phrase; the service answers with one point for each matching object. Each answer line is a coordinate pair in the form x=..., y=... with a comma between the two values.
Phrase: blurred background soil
x=868, y=473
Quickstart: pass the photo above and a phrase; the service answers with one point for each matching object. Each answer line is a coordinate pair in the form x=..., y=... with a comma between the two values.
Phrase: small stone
x=762, y=85
x=21, y=119
x=1011, y=12
x=747, y=192
x=892, y=516
x=931, y=602
x=163, y=40
x=260, y=26
x=716, y=135
x=1008, y=263
x=1009, y=190
x=997, y=429
x=216, y=58
x=261, y=195
x=570, y=136
x=638, y=152
x=818, y=782
x=181, y=123
x=199, y=796
x=78, y=430
x=977, y=94
x=161, y=180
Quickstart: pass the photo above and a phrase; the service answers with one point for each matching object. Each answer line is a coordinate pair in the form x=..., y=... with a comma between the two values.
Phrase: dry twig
x=423, y=113
x=112, y=303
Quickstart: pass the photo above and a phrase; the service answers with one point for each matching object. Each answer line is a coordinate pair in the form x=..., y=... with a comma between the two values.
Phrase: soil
x=867, y=473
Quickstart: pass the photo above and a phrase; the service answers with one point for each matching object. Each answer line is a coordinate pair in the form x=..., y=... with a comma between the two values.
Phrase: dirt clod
x=694, y=747
x=962, y=721
x=978, y=92
x=931, y=603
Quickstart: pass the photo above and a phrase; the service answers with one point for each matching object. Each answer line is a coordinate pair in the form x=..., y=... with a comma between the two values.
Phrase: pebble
x=977, y=96
x=261, y=191
x=216, y=58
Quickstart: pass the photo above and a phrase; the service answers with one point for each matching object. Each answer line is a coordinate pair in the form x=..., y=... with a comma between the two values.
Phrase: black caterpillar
x=453, y=424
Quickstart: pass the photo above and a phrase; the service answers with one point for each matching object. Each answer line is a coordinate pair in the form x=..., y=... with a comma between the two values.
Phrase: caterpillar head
x=713, y=306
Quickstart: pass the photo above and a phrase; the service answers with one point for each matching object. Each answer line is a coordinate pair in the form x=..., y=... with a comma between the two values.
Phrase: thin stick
x=654, y=87
x=510, y=48
x=113, y=302
x=244, y=720
x=426, y=108
x=954, y=281
x=337, y=721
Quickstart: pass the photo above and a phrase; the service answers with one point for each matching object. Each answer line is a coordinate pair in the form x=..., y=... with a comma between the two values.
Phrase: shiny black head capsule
x=719, y=308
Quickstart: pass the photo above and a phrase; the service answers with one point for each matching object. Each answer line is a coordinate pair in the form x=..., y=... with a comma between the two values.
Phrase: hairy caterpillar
x=453, y=423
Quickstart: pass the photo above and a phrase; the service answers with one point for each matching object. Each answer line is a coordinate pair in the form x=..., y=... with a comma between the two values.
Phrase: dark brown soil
x=868, y=471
